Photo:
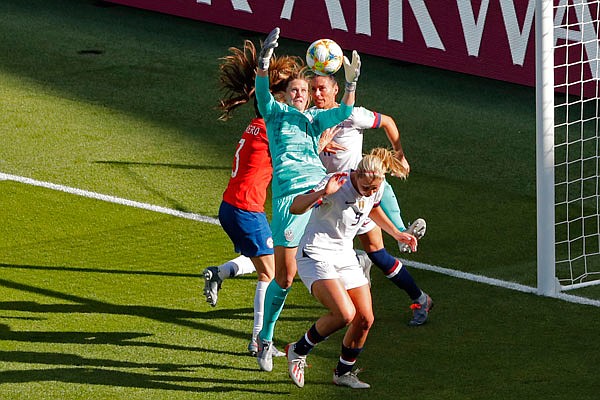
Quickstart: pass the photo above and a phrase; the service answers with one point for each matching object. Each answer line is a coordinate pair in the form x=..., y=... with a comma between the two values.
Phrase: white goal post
x=567, y=144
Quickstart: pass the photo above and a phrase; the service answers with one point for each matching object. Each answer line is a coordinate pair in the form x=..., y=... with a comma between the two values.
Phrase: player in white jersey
x=345, y=149
x=345, y=152
x=327, y=264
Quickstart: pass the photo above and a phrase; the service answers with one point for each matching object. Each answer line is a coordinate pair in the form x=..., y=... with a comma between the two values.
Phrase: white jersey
x=351, y=137
x=334, y=223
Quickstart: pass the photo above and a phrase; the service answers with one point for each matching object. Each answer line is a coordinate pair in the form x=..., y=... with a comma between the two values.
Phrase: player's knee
x=284, y=282
x=347, y=315
x=366, y=322
x=266, y=276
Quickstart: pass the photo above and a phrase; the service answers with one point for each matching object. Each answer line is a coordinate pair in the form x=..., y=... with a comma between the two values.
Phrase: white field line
x=201, y=218
x=497, y=282
x=110, y=199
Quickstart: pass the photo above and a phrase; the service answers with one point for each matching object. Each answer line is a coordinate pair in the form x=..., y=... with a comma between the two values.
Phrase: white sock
x=259, y=306
x=241, y=265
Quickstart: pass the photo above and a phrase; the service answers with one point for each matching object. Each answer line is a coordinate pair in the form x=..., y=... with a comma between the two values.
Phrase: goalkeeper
x=293, y=134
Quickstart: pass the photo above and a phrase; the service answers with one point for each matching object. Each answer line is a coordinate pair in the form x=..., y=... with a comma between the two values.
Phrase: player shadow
x=186, y=318
x=71, y=368
x=50, y=358
x=157, y=164
x=129, y=339
x=241, y=313
x=98, y=270
x=108, y=377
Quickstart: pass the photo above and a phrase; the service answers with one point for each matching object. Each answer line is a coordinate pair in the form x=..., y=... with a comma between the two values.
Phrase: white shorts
x=367, y=226
x=350, y=273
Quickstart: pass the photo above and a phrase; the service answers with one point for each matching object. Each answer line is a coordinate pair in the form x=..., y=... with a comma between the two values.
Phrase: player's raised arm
x=266, y=52
x=304, y=202
x=391, y=130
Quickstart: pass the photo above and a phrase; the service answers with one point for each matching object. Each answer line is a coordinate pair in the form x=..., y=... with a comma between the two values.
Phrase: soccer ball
x=324, y=57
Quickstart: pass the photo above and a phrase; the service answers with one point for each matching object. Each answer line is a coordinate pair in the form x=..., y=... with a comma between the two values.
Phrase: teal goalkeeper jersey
x=293, y=140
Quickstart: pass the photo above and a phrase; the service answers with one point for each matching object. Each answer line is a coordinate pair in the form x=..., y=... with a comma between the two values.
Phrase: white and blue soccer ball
x=324, y=57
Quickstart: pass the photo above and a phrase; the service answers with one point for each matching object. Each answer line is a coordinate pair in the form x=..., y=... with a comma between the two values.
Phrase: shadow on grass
x=215, y=313
x=49, y=358
x=180, y=317
x=186, y=318
x=104, y=377
x=92, y=371
x=98, y=270
x=168, y=165
x=94, y=338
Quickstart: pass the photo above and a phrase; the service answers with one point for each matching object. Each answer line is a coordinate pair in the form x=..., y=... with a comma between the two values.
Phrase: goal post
x=567, y=144
x=544, y=45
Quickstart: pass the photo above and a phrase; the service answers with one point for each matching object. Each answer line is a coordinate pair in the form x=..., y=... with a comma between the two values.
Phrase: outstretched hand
x=266, y=51
x=352, y=70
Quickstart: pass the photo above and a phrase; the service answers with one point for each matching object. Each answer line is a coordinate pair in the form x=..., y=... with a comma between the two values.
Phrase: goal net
x=567, y=53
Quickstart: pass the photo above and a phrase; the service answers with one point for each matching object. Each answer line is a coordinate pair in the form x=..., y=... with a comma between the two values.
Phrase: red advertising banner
x=490, y=38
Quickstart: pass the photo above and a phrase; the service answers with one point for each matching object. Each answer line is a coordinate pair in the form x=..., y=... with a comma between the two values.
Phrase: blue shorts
x=288, y=228
x=249, y=231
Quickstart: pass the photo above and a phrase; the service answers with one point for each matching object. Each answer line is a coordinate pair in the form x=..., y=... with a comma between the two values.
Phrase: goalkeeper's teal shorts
x=287, y=228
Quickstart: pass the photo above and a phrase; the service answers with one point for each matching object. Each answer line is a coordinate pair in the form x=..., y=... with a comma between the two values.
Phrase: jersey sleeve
x=264, y=98
x=365, y=119
x=322, y=184
x=333, y=116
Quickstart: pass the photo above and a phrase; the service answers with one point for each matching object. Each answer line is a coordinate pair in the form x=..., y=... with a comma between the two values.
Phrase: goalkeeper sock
x=395, y=272
x=274, y=301
x=389, y=205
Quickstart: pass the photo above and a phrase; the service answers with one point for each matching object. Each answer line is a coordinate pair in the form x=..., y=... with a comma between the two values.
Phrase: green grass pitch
x=104, y=301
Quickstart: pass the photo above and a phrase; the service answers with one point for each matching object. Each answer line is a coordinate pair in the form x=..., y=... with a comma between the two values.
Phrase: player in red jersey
x=242, y=211
x=251, y=171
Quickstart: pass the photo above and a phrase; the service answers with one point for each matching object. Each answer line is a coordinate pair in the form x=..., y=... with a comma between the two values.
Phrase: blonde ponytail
x=379, y=162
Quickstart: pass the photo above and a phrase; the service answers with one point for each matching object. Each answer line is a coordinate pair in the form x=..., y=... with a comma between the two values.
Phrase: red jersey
x=252, y=171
